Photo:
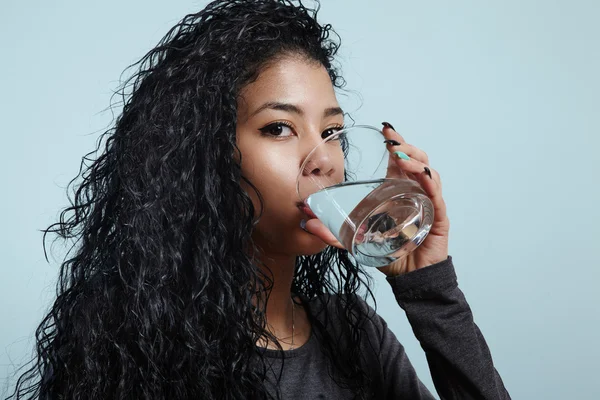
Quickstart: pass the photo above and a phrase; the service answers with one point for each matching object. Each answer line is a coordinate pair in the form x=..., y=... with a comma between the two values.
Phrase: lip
x=306, y=210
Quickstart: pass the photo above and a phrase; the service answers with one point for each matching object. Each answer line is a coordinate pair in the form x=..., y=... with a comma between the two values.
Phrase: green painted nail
x=402, y=155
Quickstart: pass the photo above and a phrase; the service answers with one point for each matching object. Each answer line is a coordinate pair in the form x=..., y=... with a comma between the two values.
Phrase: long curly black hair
x=156, y=301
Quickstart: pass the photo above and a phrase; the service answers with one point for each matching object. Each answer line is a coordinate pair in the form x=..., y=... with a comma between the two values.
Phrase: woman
x=197, y=275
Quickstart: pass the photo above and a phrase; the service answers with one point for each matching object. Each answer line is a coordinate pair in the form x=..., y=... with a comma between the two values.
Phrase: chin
x=309, y=244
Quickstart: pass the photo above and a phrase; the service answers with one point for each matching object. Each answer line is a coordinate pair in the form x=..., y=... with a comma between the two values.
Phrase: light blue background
x=504, y=97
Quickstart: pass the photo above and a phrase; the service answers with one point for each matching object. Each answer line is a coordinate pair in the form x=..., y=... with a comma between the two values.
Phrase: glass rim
x=327, y=139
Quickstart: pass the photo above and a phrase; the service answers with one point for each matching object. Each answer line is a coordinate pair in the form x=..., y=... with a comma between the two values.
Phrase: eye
x=332, y=131
x=275, y=129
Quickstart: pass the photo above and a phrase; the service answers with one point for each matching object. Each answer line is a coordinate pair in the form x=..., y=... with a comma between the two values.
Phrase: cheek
x=277, y=167
x=274, y=175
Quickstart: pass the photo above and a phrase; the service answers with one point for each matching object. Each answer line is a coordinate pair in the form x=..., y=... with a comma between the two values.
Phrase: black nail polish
x=392, y=142
x=388, y=125
x=428, y=172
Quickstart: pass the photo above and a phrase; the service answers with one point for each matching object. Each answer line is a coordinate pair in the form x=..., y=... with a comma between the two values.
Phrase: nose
x=321, y=163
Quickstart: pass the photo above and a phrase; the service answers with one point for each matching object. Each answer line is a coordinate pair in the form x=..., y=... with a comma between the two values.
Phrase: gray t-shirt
x=459, y=359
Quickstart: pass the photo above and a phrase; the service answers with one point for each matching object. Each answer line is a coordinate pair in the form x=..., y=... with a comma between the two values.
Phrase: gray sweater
x=459, y=359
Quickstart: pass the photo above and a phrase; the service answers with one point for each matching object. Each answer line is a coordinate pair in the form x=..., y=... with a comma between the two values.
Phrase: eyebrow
x=275, y=105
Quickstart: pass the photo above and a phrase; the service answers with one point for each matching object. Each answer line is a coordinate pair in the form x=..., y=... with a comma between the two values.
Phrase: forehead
x=292, y=80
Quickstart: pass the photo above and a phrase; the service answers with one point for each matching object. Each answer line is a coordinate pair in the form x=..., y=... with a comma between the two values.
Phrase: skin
x=272, y=162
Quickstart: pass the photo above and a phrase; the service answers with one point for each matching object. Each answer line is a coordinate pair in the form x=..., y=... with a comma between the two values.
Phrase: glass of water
x=352, y=184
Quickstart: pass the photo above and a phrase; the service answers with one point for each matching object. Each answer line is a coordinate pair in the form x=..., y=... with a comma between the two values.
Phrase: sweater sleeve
x=459, y=359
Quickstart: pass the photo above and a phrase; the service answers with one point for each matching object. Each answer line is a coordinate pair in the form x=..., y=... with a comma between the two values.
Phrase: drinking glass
x=352, y=184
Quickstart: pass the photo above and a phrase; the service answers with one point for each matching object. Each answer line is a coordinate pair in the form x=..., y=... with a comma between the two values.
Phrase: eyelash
x=264, y=130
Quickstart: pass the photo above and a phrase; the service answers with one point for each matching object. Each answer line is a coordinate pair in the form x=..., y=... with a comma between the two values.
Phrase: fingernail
x=402, y=155
x=428, y=172
x=303, y=225
x=387, y=124
x=392, y=142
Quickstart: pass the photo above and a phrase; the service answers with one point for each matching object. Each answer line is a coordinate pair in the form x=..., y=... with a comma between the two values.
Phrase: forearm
x=459, y=359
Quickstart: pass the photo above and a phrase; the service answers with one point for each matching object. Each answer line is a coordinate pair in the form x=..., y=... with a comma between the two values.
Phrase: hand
x=435, y=246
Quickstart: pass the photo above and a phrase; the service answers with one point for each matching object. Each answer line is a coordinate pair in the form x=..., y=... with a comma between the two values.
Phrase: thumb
x=315, y=227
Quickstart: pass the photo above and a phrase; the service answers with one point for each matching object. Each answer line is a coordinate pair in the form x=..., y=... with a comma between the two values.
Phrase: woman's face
x=282, y=116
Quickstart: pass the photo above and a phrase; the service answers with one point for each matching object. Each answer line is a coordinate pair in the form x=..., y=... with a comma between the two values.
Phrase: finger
x=393, y=170
x=390, y=133
x=414, y=152
x=410, y=150
x=432, y=185
x=416, y=167
x=317, y=228
x=434, y=191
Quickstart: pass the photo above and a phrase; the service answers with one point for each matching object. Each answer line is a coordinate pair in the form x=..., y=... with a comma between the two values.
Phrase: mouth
x=306, y=210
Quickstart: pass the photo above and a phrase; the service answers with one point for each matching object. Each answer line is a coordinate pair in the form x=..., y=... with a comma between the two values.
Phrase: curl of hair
x=156, y=302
